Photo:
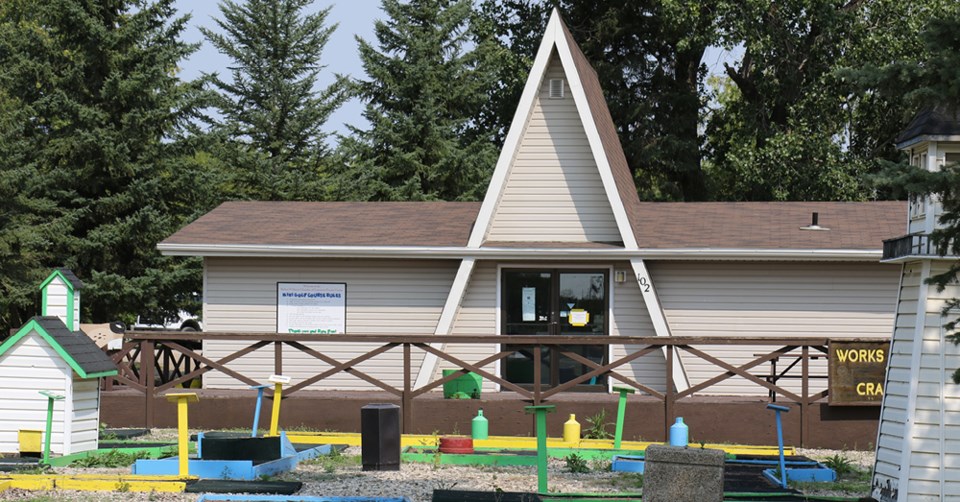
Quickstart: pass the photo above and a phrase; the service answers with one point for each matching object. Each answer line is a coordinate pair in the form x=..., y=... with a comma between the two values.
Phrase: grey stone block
x=673, y=474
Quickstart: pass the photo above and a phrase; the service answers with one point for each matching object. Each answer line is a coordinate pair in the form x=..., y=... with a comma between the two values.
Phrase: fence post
x=804, y=394
x=277, y=358
x=147, y=361
x=407, y=401
x=668, y=395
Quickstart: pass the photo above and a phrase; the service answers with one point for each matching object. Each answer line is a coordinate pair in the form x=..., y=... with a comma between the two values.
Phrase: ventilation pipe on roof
x=814, y=223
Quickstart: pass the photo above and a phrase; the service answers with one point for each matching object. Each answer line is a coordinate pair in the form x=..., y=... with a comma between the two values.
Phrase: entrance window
x=555, y=302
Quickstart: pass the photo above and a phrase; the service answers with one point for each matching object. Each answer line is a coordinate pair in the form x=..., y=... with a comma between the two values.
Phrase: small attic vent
x=556, y=88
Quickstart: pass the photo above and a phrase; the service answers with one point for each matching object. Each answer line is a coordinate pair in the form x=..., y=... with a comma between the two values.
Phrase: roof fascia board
x=924, y=138
x=459, y=253
x=520, y=117
x=593, y=136
x=449, y=313
x=34, y=326
x=648, y=290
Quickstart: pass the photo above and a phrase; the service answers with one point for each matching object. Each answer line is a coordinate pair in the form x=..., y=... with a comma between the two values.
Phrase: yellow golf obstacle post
x=183, y=434
x=278, y=381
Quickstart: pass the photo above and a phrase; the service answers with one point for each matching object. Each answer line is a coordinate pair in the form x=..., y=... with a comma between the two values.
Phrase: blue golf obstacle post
x=256, y=411
x=783, y=465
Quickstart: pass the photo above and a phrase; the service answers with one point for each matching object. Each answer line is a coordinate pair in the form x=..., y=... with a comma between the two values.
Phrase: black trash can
x=380, y=437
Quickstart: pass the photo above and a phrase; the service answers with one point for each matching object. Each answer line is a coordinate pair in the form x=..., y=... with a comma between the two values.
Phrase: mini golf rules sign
x=311, y=308
x=857, y=370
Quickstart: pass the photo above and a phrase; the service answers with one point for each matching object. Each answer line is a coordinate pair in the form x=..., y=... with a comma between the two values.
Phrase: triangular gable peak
x=561, y=176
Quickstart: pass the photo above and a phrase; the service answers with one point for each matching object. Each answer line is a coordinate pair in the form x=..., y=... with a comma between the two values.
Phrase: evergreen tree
x=94, y=166
x=272, y=114
x=426, y=89
x=933, y=81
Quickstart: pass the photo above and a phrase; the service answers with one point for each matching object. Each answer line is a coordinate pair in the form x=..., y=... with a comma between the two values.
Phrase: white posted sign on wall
x=311, y=307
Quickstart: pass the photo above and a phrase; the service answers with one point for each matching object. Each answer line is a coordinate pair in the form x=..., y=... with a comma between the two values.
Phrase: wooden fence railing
x=153, y=363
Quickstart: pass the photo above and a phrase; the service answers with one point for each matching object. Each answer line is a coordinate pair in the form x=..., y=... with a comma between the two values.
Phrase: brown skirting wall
x=711, y=419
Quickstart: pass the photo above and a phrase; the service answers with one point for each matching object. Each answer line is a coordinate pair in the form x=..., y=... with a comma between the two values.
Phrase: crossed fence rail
x=153, y=363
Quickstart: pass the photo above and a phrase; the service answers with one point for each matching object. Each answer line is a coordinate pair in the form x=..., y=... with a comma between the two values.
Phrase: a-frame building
x=560, y=245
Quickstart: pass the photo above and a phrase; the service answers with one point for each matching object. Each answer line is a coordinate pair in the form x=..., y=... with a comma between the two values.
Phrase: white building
x=918, y=446
x=44, y=355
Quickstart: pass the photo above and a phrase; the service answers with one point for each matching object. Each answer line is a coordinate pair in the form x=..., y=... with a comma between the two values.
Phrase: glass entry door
x=554, y=302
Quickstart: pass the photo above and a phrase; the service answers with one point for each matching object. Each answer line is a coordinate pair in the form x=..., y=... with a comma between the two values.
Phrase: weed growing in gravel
x=576, y=464
x=333, y=461
x=598, y=426
x=628, y=481
x=112, y=458
x=840, y=464
x=853, y=483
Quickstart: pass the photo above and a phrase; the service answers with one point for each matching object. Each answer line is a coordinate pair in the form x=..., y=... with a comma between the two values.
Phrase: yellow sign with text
x=857, y=370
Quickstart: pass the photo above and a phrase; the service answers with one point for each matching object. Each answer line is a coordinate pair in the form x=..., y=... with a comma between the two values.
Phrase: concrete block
x=675, y=474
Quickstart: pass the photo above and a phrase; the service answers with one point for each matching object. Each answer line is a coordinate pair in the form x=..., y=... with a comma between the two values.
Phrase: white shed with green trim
x=60, y=296
x=45, y=355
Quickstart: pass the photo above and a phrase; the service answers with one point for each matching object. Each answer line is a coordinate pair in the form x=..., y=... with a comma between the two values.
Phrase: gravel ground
x=342, y=476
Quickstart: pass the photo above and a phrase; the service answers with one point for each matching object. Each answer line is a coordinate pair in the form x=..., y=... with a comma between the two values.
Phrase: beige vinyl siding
x=383, y=297
x=28, y=367
x=630, y=318
x=85, y=420
x=478, y=317
x=721, y=299
x=553, y=190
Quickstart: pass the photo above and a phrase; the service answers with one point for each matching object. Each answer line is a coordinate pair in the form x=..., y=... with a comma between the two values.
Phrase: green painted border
x=33, y=325
x=71, y=302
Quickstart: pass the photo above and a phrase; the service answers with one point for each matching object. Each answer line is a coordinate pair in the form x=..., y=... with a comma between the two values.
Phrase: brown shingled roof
x=769, y=225
x=662, y=225
x=333, y=224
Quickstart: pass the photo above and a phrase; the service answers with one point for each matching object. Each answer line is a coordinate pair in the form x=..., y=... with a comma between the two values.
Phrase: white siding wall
x=85, y=422
x=772, y=299
x=28, y=367
x=553, y=191
x=478, y=317
x=383, y=297
x=56, y=292
x=931, y=449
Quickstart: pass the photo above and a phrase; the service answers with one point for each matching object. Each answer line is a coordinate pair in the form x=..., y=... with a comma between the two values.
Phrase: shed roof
x=933, y=122
x=68, y=277
x=333, y=223
x=659, y=225
x=78, y=350
x=769, y=225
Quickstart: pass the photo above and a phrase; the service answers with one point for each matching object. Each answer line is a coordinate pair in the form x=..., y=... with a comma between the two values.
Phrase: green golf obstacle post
x=621, y=411
x=51, y=397
x=541, y=413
